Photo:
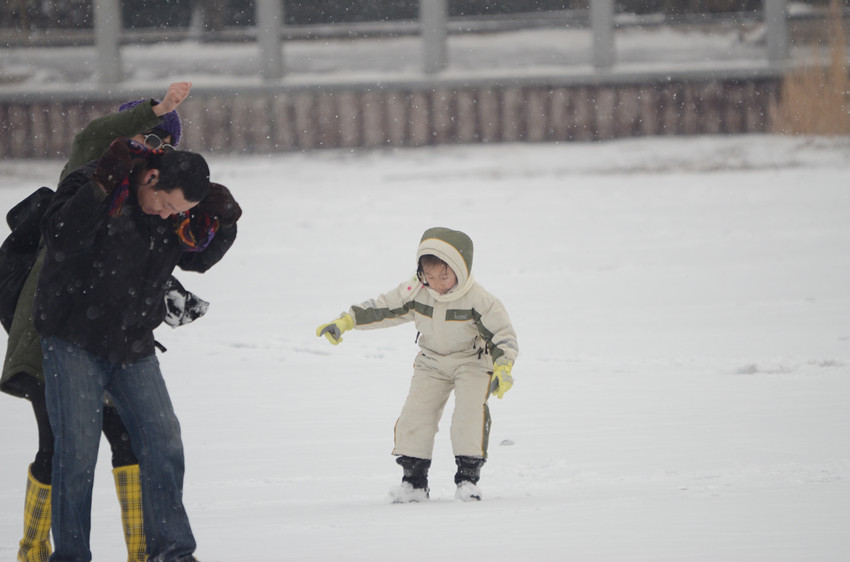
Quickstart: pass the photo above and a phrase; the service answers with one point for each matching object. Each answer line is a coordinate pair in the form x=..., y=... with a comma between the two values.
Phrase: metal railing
x=433, y=27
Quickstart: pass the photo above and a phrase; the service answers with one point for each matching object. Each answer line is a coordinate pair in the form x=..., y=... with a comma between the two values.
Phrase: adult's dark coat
x=23, y=348
x=104, y=278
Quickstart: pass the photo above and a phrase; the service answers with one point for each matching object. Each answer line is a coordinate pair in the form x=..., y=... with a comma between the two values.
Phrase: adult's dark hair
x=184, y=170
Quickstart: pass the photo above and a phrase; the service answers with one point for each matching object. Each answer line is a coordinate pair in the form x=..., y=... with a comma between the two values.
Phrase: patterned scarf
x=195, y=230
x=119, y=197
x=122, y=190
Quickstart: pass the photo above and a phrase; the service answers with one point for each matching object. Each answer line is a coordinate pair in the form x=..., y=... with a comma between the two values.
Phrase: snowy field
x=682, y=391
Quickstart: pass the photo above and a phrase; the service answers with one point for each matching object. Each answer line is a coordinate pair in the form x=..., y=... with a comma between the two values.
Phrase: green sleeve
x=92, y=142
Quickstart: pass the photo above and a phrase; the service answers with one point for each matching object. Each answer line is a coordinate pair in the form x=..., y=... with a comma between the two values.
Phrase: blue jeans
x=75, y=382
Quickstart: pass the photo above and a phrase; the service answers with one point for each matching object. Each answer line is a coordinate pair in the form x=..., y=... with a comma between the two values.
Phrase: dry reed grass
x=815, y=99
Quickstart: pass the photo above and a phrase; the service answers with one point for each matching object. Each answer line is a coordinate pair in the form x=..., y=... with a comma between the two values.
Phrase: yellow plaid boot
x=128, y=484
x=35, y=546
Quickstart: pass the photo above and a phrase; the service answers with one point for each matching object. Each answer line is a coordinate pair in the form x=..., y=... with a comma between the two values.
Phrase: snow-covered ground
x=682, y=391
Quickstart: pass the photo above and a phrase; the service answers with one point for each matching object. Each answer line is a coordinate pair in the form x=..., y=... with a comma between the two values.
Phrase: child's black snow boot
x=414, y=483
x=415, y=471
x=467, y=476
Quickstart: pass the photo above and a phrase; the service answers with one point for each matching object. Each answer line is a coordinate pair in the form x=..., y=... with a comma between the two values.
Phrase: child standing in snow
x=467, y=344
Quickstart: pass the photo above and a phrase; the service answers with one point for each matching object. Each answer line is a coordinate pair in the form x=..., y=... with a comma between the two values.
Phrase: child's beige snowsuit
x=461, y=334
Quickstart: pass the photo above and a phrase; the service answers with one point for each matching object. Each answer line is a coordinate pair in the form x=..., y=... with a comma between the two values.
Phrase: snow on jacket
x=103, y=282
x=465, y=322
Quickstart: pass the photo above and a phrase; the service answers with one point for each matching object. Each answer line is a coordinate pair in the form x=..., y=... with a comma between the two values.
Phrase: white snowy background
x=682, y=307
x=683, y=387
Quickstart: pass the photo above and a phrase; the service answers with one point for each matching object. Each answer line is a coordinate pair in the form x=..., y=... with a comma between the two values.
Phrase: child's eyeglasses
x=155, y=142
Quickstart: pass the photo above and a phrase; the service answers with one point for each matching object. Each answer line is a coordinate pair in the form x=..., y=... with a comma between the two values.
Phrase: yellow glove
x=333, y=330
x=501, y=381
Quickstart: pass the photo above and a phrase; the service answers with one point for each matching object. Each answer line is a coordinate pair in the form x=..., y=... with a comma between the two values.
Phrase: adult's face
x=161, y=203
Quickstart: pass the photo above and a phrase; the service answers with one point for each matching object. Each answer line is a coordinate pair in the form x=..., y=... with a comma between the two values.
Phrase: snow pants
x=434, y=379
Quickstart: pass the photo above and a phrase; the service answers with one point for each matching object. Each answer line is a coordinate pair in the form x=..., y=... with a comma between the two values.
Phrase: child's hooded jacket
x=465, y=322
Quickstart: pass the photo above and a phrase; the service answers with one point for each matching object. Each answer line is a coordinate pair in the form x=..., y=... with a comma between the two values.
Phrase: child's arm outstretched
x=390, y=309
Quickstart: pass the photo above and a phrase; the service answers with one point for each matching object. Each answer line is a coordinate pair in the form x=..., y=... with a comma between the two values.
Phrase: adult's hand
x=177, y=92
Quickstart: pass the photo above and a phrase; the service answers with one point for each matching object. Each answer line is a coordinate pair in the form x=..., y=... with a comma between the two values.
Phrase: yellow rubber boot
x=128, y=485
x=35, y=546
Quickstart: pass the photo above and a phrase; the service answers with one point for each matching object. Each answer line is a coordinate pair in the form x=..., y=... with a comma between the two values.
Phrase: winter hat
x=169, y=122
x=453, y=247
